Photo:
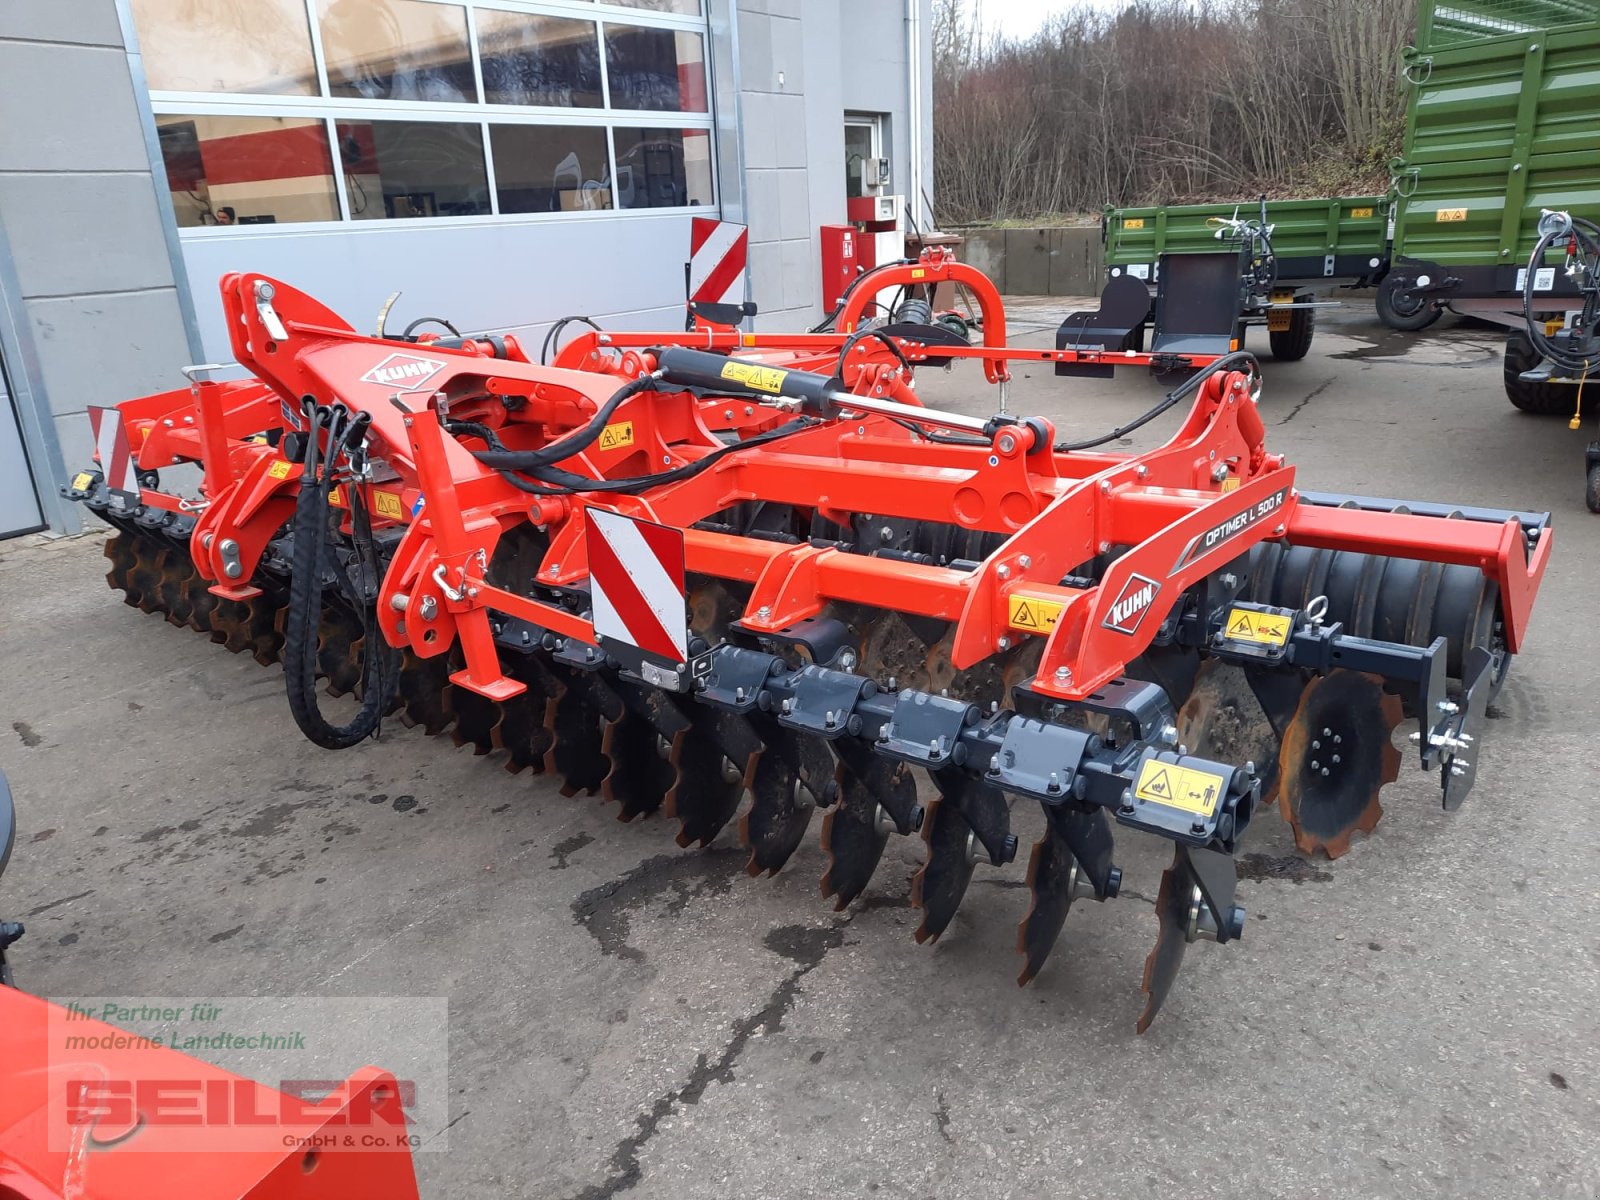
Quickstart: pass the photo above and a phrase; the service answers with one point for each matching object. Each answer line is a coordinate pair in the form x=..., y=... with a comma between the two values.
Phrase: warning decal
x=1264, y=629
x=759, y=379
x=1179, y=787
x=387, y=504
x=616, y=436
x=1450, y=214
x=1033, y=614
x=279, y=469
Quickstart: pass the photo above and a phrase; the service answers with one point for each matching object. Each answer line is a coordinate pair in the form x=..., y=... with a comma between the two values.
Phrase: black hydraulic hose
x=1177, y=394
x=411, y=328
x=556, y=482
x=304, y=614
x=554, y=332
x=827, y=322
x=1588, y=235
x=576, y=442
x=861, y=335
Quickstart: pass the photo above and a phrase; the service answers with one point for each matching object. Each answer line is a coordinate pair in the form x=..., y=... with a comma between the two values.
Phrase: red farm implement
x=731, y=576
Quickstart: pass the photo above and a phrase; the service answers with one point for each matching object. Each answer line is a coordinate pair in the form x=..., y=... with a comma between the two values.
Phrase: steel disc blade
x=522, y=733
x=711, y=782
x=177, y=568
x=477, y=718
x=1337, y=756
x=581, y=717
x=1072, y=837
x=1165, y=960
x=202, y=604
x=780, y=811
x=640, y=778
x=424, y=693
x=1223, y=720
x=942, y=882
x=339, y=646
x=120, y=553
x=853, y=840
x=144, y=574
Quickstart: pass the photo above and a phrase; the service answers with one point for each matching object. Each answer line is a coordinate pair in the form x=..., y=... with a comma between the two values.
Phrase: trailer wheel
x=1541, y=399
x=1402, y=309
x=1591, y=493
x=1293, y=343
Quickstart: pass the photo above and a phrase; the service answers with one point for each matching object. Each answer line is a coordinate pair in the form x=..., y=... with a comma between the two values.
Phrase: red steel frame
x=1058, y=509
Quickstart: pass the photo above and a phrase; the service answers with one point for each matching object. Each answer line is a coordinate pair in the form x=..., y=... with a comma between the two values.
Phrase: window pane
x=663, y=168
x=413, y=169
x=538, y=60
x=690, y=8
x=550, y=168
x=247, y=170
x=656, y=69
x=397, y=50
x=262, y=46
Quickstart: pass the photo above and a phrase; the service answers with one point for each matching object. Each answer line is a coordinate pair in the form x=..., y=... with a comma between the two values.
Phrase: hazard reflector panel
x=636, y=584
x=717, y=254
x=116, y=458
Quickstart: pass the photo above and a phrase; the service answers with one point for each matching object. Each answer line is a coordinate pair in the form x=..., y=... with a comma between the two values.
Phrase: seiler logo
x=1135, y=599
x=403, y=372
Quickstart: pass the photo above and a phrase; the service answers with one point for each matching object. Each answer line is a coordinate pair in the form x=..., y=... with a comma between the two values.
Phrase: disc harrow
x=741, y=580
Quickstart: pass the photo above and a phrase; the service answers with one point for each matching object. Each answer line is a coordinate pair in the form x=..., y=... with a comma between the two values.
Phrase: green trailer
x=1297, y=245
x=1503, y=122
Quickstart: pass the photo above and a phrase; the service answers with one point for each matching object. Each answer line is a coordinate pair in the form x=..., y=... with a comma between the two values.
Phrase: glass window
x=413, y=169
x=689, y=8
x=247, y=170
x=263, y=46
x=659, y=69
x=663, y=168
x=538, y=60
x=550, y=168
x=397, y=50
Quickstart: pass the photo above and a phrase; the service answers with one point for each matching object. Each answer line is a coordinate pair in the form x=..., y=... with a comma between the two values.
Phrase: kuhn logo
x=1135, y=599
x=403, y=372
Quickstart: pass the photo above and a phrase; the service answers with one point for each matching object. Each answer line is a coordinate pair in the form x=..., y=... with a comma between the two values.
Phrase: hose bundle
x=345, y=437
x=1583, y=244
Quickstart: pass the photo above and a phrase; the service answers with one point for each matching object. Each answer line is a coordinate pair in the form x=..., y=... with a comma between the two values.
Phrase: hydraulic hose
x=1182, y=391
x=307, y=563
x=1587, y=235
x=576, y=442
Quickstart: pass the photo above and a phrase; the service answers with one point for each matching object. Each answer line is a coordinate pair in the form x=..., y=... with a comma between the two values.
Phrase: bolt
x=1315, y=745
x=1105, y=485
x=847, y=660
x=994, y=764
x=398, y=601
x=1054, y=783
x=887, y=533
x=1315, y=765
x=727, y=414
x=1228, y=579
x=1007, y=443
x=830, y=719
x=1003, y=642
x=1141, y=471
x=1325, y=772
x=1063, y=673
x=748, y=410
x=1003, y=571
x=167, y=422
x=786, y=707
x=429, y=608
x=1025, y=561
x=1448, y=707
x=1335, y=760
x=1327, y=733
x=738, y=693
x=763, y=613
x=1197, y=827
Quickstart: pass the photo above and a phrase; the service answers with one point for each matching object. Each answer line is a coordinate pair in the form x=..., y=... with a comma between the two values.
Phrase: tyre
x=1591, y=491
x=1402, y=309
x=1541, y=399
x=1292, y=344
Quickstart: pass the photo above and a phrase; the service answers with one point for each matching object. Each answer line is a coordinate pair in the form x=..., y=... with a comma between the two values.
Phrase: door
x=19, y=506
x=863, y=145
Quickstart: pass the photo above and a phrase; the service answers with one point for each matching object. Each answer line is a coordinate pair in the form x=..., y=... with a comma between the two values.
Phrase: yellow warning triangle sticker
x=1159, y=786
x=1241, y=626
x=1024, y=616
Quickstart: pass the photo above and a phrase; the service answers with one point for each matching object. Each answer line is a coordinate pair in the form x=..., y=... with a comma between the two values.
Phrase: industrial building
x=500, y=163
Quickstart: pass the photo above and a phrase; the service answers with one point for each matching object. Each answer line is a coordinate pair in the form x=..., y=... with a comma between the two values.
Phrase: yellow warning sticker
x=279, y=469
x=1033, y=614
x=1179, y=787
x=1231, y=483
x=761, y=379
x=1133, y=223
x=336, y=496
x=1450, y=214
x=1360, y=214
x=1264, y=629
x=617, y=436
x=81, y=481
x=387, y=504
x=918, y=273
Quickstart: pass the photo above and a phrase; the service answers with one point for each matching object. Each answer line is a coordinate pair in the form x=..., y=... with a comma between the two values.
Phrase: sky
x=1019, y=18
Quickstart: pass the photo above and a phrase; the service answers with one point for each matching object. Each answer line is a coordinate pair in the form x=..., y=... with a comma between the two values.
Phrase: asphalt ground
x=1416, y=1019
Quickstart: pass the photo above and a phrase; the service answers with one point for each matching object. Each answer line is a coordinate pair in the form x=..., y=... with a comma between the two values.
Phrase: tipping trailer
x=1502, y=124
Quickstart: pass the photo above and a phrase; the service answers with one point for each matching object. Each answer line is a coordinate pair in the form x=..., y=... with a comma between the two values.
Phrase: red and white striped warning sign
x=717, y=254
x=111, y=447
x=636, y=584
